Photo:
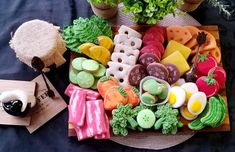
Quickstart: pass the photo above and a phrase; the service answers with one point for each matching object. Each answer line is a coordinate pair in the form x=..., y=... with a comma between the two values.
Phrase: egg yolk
x=196, y=106
x=188, y=95
x=187, y=113
x=172, y=98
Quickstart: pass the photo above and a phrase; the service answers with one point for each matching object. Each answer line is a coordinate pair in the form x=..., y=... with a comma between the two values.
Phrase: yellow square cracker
x=178, y=59
x=175, y=46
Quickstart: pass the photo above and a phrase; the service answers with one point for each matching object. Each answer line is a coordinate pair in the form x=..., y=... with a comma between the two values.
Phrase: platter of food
x=147, y=82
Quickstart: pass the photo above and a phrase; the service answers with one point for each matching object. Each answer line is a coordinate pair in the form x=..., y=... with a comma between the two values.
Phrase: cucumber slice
x=101, y=71
x=146, y=119
x=90, y=65
x=77, y=63
x=85, y=79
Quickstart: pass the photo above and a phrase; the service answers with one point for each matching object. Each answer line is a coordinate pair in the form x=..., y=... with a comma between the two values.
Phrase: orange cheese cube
x=173, y=46
x=178, y=59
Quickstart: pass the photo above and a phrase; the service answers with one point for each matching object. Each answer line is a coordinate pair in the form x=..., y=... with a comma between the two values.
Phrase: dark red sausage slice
x=158, y=70
x=151, y=49
x=136, y=74
x=174, y=73
x=156, y=36
x=147, y=58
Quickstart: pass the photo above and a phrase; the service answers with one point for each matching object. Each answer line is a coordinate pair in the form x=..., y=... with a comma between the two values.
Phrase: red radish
x=151, y=49
x=205, y=63
x=208, y=85
x=219, y=75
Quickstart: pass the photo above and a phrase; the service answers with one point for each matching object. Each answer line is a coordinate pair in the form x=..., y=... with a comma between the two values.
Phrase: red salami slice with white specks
x=159, y=45
x=147, y=58
x=157, y=28
x=136, y=74
x=158, y=70
x=154, y=36
x=151, y=49
x=174, y=73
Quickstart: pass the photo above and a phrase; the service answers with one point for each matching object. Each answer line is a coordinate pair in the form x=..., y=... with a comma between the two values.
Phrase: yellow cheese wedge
x=106, y=42
x=178, y=59
x=173, y=46
x=84, y=48
x=100, y=54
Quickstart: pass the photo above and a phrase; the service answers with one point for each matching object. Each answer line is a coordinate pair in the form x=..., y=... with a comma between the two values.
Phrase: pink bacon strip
x=105, y=135
x=77, y=109
x=91, y=95
x=95, y=117
x=83, y=132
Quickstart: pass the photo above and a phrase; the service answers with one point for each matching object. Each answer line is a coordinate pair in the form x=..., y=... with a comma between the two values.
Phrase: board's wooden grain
x=185, y=130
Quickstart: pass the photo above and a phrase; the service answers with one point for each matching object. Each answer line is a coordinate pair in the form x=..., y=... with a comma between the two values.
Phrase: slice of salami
x=160, y=29
x=158, y=70
x=159, y=45
x=151, y=49
x=147, y=58
x=174, y=73
x=136, y=74
x=157, y=36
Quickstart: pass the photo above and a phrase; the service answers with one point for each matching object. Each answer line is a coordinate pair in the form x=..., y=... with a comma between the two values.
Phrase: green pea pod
x=222, y=102
x=197, y=124
x=213, y=107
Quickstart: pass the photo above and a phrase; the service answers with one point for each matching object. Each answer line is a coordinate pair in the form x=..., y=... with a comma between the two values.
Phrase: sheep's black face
x=13, y=107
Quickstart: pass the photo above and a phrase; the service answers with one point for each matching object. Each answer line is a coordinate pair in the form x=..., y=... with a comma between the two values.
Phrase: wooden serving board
x=185, y=130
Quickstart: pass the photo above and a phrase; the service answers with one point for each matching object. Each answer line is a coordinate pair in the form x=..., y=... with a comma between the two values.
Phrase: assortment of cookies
x=144, y=79
x=125, y=54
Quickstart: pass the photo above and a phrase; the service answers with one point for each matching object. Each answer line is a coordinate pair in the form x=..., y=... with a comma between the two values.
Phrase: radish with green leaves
x=208, y=85
x=205, y=63
x=219, y=75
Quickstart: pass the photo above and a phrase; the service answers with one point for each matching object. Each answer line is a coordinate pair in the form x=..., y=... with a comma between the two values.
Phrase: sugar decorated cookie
x=118, y=71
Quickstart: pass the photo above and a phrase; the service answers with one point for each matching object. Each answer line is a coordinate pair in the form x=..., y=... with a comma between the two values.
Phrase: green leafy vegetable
x=108, y=2
x=149, y=11
x=167, y=119
x=85, y=30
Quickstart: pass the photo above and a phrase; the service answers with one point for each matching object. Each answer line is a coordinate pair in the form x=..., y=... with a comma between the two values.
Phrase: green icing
x=85, y=30
x=105, y=78
x=122, y=91
x=167, y=119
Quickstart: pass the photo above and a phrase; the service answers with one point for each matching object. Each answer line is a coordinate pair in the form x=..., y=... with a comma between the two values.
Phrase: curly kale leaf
x=85, y=30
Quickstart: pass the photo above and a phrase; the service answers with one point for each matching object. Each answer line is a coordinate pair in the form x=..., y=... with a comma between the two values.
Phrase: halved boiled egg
x=190, y=88
x=177, y=97
x=186, y=114
x=180, y=82
x=197, y=103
